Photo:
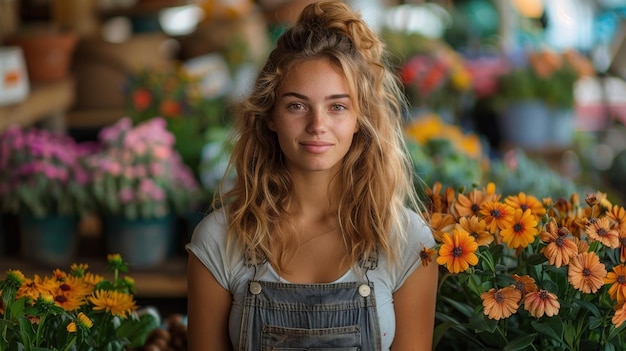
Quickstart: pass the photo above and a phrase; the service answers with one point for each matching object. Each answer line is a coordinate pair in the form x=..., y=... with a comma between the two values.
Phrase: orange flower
x=75, y=286
x=600, y=230
x=470, y=204
x=574, y=225
x=476, y=228
x=441, y=223
x=582, y=245
x=69, y=302
x=617, y=277
x=622, y=245
x=618, y=215
x=501, y=303
x=564, y=207
x=522, y=231
x=170, y=108
x=586, y=273
x=526, y=202
x=559, y=248
x=497, y=215
x=458, y=251
x=524, y=284
x=426, y=255
x=620, y=315
x=541, y=302
x=437, y=202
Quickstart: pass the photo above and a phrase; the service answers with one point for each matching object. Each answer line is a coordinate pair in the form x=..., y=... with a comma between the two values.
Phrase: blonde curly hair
x=375, y=183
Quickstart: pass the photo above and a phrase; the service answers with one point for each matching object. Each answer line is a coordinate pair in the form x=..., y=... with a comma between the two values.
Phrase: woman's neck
x=312, y=197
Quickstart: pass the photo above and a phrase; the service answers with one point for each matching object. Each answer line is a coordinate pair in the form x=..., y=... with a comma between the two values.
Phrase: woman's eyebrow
x=330, y=97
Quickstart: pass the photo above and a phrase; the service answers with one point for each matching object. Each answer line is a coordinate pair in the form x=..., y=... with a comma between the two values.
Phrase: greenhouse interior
x=116, y=119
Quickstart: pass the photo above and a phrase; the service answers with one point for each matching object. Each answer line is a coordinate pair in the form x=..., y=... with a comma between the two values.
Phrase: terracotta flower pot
x=48, y=53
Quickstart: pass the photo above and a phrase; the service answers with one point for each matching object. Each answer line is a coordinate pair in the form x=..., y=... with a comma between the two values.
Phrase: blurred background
x=529, y=94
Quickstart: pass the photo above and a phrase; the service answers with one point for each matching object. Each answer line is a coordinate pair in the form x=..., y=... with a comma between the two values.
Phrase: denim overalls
x=337, y=316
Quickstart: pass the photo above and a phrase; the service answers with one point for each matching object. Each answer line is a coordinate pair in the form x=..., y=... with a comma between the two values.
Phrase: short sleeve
x=209, y=243
x=418, y=236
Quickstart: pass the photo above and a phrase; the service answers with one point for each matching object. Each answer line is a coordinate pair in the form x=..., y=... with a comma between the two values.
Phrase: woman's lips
x=316, y=147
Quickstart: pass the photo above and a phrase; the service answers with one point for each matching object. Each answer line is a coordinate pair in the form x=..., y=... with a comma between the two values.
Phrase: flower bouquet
x=75, y=310
x=42, y=173
x=136, y=173
x=519, y=273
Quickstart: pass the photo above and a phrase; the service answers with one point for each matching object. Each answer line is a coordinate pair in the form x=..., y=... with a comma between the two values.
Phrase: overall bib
x=337, y=316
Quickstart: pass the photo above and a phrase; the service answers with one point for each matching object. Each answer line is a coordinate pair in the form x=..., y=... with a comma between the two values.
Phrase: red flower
x=170, y=108
x=142, y=99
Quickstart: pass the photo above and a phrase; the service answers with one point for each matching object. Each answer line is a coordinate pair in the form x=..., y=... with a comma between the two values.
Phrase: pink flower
x=140, y=171
x=161, y=152
x=157, y=169
x=126, y=195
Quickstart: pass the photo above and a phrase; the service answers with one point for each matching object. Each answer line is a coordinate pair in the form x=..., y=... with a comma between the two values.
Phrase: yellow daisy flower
x=114, y=302
x=522, y=231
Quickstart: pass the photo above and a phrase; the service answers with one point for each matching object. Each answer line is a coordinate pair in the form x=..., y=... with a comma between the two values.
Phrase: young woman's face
x=314, y=117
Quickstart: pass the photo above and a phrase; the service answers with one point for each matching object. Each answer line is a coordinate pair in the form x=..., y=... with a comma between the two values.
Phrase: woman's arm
x=414, y=305
x=208, y=309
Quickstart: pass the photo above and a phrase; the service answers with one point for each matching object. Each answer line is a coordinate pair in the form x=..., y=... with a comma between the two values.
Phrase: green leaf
x=440, y=331
x=589, y=307
x=594, y=322
x=479, y=322
x=465, y=309
x=617, y=332
x=536, y=259
x=27, y=334
x=520, y=343
x=137, y=331
x=552, y=327
x=569, y=334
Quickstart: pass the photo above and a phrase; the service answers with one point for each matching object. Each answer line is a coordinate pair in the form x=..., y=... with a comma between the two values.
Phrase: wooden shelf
x=46, y=104
x=168, y=280
x=142, y=8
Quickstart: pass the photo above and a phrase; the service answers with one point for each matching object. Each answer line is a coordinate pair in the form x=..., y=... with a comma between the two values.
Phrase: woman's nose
x=317, y=121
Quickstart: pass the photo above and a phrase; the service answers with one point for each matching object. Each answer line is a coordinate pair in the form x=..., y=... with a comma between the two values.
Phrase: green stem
x=116, y=273
x=102, y=328
x=70, y=344
x=39, y=329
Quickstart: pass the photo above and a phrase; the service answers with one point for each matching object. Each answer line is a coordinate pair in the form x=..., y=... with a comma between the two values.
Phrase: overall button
x=255, y=288
x=364, y=290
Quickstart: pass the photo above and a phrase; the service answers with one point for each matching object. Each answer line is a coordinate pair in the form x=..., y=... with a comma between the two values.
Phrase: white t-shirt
x=228, y=267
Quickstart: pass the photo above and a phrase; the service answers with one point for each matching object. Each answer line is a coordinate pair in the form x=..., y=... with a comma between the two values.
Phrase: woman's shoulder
x=212, y=228
x=417, y=230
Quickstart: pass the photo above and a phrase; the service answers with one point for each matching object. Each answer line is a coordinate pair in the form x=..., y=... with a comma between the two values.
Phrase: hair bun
x=329, y=16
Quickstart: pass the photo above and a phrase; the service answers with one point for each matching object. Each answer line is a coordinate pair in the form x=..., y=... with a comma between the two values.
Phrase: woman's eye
x=338, y=107
x=296, y=106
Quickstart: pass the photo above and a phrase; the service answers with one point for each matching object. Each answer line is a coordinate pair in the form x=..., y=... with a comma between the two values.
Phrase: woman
x=316, y=243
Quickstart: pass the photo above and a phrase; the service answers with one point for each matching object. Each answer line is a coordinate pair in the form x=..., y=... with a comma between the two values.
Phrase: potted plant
x=519, y=272
x=189, y=107
x=140, y=184
x=536, y=98
x=433, y=74
x=443, y=152
x=43, y=182
x=72, y=310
